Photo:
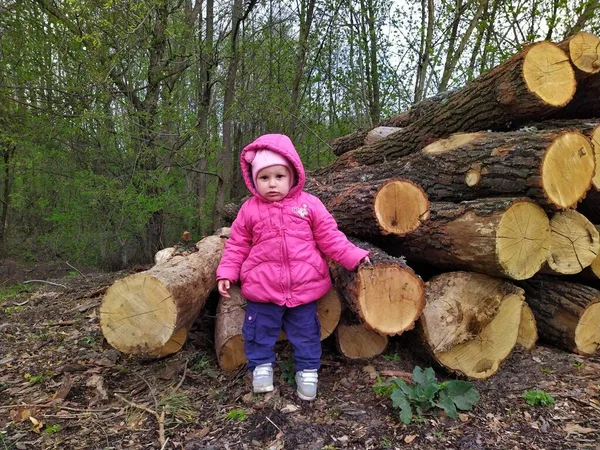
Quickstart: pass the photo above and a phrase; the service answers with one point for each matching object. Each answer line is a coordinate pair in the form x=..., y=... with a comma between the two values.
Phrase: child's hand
x=224, y=286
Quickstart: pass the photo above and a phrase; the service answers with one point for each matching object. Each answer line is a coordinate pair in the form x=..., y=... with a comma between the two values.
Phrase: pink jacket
x=278, y=249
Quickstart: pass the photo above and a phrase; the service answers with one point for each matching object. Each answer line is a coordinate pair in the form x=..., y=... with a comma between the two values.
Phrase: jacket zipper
x=288, y=292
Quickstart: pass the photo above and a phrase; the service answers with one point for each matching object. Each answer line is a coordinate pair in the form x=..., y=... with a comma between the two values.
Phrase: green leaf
x=462, y=394
x=399, y=400
x=447, y=404
x=424, y=377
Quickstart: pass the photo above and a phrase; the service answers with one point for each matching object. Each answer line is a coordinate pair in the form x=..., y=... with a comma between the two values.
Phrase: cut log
x=420, y=110
x=553, y=167
x=583, y=50
x=386, y=295
x=528, y=334
x=229, y=342
x=471, y=322
x=567, y=314
x=502, y=237
x=534, y=82
x=142, y=312
x=355, y=341
x=362, y=137
x=367, y=209
x=329, y=309
x=574, y=244
x=588, y=127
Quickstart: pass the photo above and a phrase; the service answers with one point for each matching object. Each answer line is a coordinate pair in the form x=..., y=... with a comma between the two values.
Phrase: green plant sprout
x=51, y=429
x=287, y=372
x=426, y=393
x=395, y=357
x=33, y=379
x=236, y=414
x=535, y=397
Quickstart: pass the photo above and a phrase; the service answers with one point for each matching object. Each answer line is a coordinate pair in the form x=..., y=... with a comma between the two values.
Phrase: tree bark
x=590, y=206
x=386, y=295
x=142, y=312
x=470, y=323
x=553, y=167
x=585, y=102
x=359, y=138
x=567, y=314
x=534, y=82
x=502, y=237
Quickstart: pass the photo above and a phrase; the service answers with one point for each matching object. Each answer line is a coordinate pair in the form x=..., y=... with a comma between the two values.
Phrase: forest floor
x=63, y=387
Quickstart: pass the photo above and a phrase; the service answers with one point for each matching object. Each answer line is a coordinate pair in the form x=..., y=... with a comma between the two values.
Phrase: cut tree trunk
x=574, y=244
x=386, y=295
x=502, y=237
x=362, y=137
x=583, y=50
x=367, y=209
x=355, y=341
x=534, y=82
x=229, y=342
x=142, y=312
x=471, y=322
x=588, y=127
x=420, y=110
x=567, y=314
x=553, y=167
x=528, y=334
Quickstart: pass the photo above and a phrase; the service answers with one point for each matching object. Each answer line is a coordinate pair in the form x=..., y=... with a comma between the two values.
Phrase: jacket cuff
x=223, y=274
x=354, y=257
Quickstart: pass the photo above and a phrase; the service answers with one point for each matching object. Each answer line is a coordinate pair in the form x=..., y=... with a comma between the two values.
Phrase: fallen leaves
x=574, y=428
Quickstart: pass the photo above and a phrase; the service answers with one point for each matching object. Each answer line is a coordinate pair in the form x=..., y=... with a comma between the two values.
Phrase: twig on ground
x=94, y=293
x=151, y=390
x=165, y=444
x=76, y=270
x=45, y=282
x=182, y=377
x=273, y=423
x=160, y=418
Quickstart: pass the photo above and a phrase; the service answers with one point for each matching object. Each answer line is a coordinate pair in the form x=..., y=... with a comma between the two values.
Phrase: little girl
x=277, y=248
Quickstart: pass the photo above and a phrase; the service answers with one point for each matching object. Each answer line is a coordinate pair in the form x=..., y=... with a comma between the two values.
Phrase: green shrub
x=426, y=393
x=535, y=397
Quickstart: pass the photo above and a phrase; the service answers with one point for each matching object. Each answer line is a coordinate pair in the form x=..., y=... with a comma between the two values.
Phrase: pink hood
x=278, y=143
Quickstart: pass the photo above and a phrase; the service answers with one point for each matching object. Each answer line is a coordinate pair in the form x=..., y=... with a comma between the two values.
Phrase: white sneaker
x=306, y=383
x=262, y=378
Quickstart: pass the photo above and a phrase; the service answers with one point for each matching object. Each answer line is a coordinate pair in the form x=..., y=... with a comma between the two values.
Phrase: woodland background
x=121, y=122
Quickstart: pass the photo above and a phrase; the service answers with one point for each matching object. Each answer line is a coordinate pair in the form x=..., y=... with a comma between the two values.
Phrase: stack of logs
x=495, y=185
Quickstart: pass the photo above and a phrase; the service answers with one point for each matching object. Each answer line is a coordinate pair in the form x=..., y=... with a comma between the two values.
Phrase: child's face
x=273, y=183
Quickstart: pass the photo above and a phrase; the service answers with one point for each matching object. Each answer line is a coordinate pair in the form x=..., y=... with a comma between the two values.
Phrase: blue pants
x=301, y=325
